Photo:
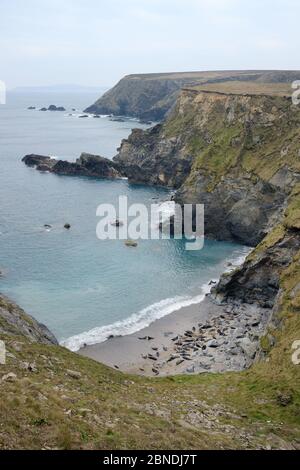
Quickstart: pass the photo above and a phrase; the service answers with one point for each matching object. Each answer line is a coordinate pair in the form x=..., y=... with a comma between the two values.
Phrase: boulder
x=10, y=377
x=74, y=374
x=248, y=347
x=34, y=160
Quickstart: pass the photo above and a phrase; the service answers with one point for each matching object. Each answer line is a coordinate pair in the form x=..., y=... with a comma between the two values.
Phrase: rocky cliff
x=152, y=96
x=237, y=154
x=240, y=154
x=14, y=321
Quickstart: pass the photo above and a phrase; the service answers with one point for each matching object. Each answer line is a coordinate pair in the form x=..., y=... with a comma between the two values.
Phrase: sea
x=85, y=289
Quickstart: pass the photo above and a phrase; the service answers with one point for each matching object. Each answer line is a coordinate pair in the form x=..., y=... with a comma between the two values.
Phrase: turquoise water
x=69, y=280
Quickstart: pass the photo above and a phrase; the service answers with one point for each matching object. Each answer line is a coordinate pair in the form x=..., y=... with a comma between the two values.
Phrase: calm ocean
x=84, y=289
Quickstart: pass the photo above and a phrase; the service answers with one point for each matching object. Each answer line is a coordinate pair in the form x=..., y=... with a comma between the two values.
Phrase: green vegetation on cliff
x=258, y=134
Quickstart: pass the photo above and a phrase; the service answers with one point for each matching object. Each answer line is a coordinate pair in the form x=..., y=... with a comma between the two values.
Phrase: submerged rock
x=131, y=243
x=117, y=119
x=117, y=223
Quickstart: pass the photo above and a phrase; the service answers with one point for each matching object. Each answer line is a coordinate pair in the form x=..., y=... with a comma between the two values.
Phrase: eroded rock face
x=236, y=209
x=257, y=281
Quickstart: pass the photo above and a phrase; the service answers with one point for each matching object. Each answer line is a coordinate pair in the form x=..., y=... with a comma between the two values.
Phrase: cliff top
x=152, y=96
x=270, y=75
x=236, y=87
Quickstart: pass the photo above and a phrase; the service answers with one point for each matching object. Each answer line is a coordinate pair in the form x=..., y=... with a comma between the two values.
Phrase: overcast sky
x=96, y=42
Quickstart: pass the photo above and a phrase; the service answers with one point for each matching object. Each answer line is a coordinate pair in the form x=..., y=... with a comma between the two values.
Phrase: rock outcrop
x=147, y=158
x=14, y=321
x=87, y=165
x=257, y=281
x=152, y=96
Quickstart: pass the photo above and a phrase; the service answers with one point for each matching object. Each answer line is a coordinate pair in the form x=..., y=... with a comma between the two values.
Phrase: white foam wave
x=135, y=322
x=167, y=209
x=235, y=262
x=163, y=213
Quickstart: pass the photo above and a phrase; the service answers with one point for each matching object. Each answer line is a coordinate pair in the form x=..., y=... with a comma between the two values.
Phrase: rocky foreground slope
x=54, y=399
x=152, y=96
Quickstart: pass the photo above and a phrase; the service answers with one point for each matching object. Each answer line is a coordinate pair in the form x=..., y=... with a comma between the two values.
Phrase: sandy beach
x=199, y=338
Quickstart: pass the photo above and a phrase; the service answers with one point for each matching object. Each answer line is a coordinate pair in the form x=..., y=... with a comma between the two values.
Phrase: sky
x=96, y=42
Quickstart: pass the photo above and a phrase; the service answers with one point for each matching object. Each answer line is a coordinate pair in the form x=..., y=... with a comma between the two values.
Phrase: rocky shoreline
x=207, y=337
x=227, y=341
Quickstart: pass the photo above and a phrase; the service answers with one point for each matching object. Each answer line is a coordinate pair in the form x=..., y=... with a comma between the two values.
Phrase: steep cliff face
x=152, y=96
x=149, y=157
x=237, y=154
x=144, y=99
